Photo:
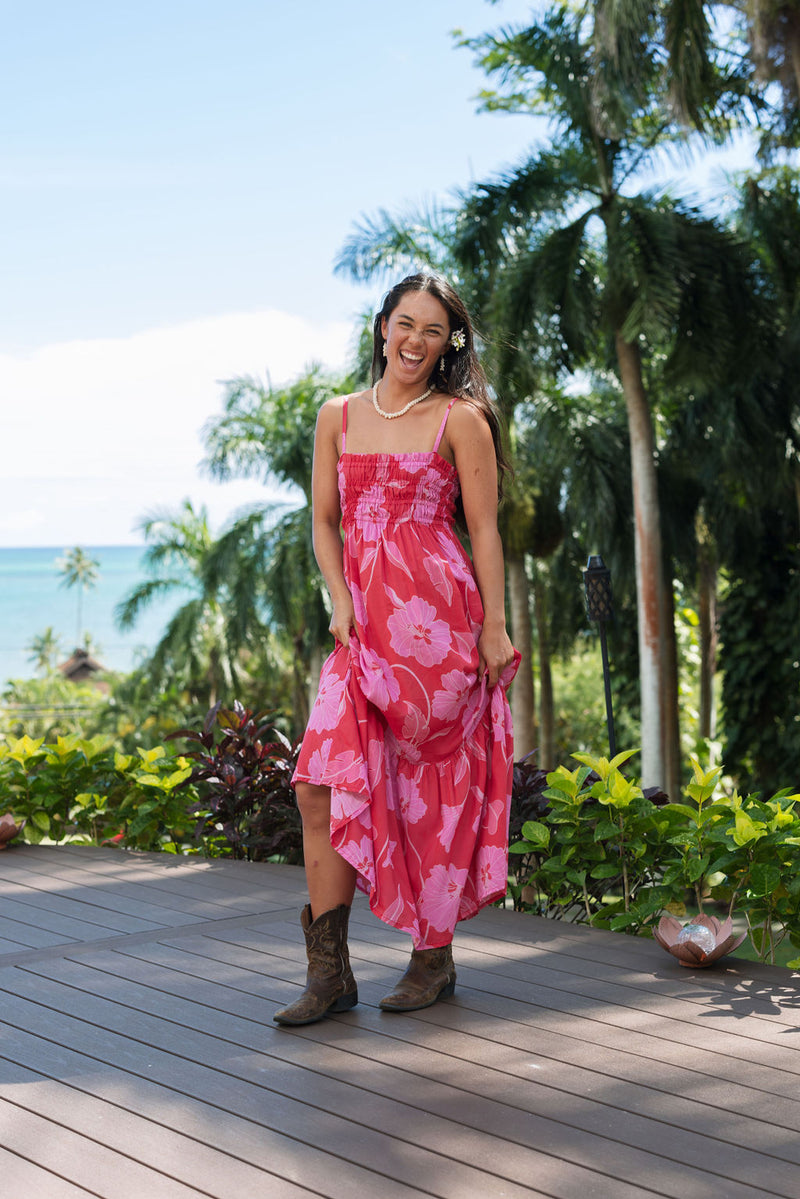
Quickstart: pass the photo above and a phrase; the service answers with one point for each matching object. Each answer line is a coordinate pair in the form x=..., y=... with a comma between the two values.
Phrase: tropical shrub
x=83, y=790
x=743, y=852
x=593, y=855
x=602, y=851
x=231, y=794
x=242, y=775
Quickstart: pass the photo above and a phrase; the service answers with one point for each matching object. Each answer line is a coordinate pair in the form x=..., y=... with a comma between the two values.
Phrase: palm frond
x=268, y=433
x=386, y=245
x=130, y=608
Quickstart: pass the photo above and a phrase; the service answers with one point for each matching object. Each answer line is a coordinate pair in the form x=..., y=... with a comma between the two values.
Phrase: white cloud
x=96, y=433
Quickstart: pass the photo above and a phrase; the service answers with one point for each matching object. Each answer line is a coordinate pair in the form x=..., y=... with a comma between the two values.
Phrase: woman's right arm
x=326, y=518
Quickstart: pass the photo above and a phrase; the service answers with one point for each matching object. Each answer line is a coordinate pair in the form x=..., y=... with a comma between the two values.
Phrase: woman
x=404, y=776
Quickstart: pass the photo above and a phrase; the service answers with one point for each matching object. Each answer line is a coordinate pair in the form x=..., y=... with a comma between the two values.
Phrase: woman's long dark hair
x=463, y=374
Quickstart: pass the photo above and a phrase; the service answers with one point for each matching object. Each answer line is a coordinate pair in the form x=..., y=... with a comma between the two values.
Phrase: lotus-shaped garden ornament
x=9, y=829
x=700, y=941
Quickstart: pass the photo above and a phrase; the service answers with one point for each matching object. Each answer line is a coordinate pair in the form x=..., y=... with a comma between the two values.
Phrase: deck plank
x=25, y=1178
x=137, y=1043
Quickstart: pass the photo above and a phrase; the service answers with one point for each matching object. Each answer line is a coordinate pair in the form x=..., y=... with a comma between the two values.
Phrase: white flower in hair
x=458, y=339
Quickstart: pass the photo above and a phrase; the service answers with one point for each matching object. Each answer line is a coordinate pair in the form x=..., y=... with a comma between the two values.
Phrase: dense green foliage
x=84, y=789
x=230, y=797
x=600, y=850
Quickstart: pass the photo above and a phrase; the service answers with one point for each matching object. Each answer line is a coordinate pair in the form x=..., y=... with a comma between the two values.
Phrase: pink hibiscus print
x=360, y=854
x=401, y=915
x=359, y=605
x=345, y=806
x=467, y=647
x=371, y=515
x=459, y=563
x=394, y=555
x=416, y=632
x=450, y=816
x=328, y=708
x=318, y=762
x=426, y=500
x=435, y=570
x=378, y=681
x=492, y=870
x=473, y=714
x=410, y=801
x=374, y=762
x=496, y=812
x=348, y=766
x=415, y=724
x=407, y=750
x=448, y=702
x=441, y=896
x=385, y=855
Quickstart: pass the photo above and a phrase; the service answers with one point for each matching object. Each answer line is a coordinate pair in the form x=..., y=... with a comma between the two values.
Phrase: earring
x=441, y=365
x=384, y=350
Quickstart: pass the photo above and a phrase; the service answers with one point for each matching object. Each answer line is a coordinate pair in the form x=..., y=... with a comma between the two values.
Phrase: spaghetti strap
x=344, y=422
x=442, y=425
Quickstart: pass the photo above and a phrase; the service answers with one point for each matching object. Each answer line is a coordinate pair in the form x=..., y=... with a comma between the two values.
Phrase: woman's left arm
x=473, y=452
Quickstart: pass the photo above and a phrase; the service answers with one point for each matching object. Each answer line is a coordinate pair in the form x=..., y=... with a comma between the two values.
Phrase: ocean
x=32, y=598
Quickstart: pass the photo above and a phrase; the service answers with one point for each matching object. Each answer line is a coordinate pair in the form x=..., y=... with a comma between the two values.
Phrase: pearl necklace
x=403, y=411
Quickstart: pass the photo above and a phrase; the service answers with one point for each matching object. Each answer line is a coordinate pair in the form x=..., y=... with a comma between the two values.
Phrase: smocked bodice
x=376, y=490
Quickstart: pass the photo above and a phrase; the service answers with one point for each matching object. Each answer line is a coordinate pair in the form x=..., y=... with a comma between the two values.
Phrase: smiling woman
x=404, y=776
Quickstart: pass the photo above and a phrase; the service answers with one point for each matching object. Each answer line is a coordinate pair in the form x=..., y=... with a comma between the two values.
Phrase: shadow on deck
x=139, y=1060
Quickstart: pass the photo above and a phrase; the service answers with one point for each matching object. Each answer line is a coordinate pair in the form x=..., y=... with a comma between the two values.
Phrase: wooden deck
x=139, y=1060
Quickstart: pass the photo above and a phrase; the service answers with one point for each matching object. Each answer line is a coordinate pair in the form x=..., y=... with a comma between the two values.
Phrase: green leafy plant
x=604, y=852
x=40, y=783
x=83, y=790
x=593, y=856
x=154, y=806
x=688, y=827
x=740, y=852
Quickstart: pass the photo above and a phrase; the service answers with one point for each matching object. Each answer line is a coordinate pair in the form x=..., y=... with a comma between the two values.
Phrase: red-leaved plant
x=243, y=770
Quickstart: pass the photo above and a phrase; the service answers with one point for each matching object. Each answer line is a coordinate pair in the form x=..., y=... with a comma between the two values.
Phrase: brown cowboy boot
x=431, y=975
x=330, y=986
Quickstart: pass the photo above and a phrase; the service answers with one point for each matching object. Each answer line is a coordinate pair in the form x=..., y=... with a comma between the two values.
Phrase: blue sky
x=175, y=180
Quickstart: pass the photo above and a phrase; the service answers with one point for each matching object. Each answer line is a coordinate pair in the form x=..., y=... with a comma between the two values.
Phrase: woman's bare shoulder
x=330, y=413
x=467, y=419
x=336, y=403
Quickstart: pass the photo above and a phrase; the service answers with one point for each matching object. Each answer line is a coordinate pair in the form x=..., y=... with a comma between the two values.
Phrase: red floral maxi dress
x=417, y=753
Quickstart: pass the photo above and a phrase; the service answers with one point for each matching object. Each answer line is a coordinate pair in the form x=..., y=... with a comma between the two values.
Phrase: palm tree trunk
x=547, y=749
x=672, y=728
x=707, y=621
x=523, y=708
x=649, y=572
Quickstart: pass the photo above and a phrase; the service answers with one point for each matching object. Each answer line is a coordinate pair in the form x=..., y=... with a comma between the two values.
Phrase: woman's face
x=417, y=333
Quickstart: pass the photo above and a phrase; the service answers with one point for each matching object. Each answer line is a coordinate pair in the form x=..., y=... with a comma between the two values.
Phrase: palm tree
x=772, y=29
x=81, y=571
x=268, y=434
x=195, y=650
x=734, y=50
x=606, y=267
x=749, y=476
x=44, y=650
